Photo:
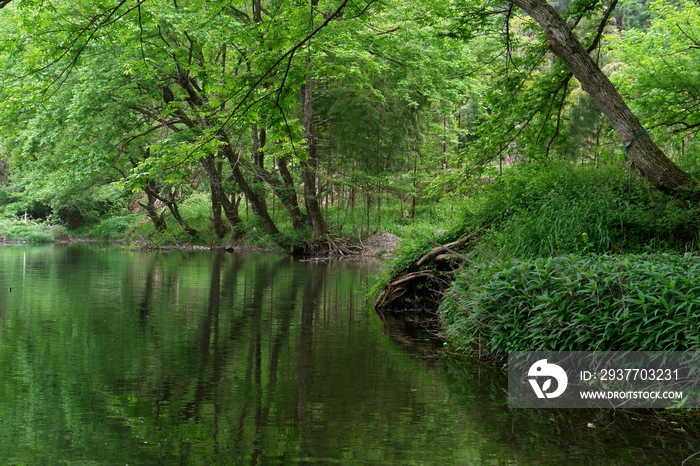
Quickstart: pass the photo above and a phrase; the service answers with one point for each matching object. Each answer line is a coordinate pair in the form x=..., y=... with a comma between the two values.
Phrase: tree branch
x=601, y=26
x=691, y=39
x=277, y=62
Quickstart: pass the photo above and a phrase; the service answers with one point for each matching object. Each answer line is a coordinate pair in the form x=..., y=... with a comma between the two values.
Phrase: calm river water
x=200, y=358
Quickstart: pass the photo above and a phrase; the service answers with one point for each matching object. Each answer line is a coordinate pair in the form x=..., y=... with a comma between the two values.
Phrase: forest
x=483, y=132
x=289, y=124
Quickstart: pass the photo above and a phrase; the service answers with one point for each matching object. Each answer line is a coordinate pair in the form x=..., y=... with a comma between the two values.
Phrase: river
x=198, y=358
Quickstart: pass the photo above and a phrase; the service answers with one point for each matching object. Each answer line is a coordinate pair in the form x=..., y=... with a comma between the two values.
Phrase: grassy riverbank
x=134, y=228
x=569, y=258
x=576, y=303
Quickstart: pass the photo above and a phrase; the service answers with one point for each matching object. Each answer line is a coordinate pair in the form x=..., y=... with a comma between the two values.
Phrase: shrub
x=544, y=212
x=576, y=303
x=13, y=230
x=535, y=211
x=114, y=228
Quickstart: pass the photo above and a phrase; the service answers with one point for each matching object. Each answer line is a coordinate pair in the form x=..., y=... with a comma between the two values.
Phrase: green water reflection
x=193, y=358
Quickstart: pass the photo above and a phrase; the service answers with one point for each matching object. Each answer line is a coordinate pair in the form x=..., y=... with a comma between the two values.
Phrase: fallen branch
x=433, y=253
x=450, y=257
x=410, y=276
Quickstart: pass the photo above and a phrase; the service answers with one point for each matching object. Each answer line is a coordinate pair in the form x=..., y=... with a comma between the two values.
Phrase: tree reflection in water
x=109, y=357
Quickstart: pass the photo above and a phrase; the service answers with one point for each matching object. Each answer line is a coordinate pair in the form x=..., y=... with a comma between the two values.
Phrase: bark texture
x=309, y=166
x=156, y=217
x=283, y=187
x=220, y=200
x=257, y=202
x=643, y=152
x=173, y=208
x=215, y=182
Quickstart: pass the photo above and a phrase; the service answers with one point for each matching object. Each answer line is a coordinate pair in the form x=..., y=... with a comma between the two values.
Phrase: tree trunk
x=156, y=217
x=310, y=165
x=218, y=222
x=219, y=200
x=231, y=213
x=643, y=152
x=259, y=141
x=284, y=189
x=258, y=203
x=174, y=210
x=290, y=191
x=215, y=185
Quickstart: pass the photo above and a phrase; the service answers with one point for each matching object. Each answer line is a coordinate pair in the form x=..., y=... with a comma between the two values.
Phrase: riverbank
x=597, y=302
x=381, y=244
x=568, y=258
x=347, y=234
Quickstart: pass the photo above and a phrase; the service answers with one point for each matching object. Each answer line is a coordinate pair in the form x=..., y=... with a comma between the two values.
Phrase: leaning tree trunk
x=174, y=210
x=156, y=217
x=643, y=152
x=258, y=203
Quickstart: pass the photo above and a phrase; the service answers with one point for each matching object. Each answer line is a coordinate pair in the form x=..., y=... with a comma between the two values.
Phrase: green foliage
x=634, y=14
x=540, y=213
x=14, y=230
x=412, y=100
x=114, y=228
x=660, y=77
x=523, y=290
x=110, y=108
x=576, y=303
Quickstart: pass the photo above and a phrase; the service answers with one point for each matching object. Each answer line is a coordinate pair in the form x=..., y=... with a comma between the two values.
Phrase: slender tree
x=643, y=152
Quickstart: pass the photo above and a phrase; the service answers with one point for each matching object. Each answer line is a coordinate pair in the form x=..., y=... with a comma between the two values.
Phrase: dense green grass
x=17, y=230
x=575, y=258
x=576, y=303
x=541, y=213
x=536, y=211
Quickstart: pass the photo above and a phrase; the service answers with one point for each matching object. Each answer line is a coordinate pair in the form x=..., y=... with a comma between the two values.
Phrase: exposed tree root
x=434, y=255
x=332, y=247
x=424, y=281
